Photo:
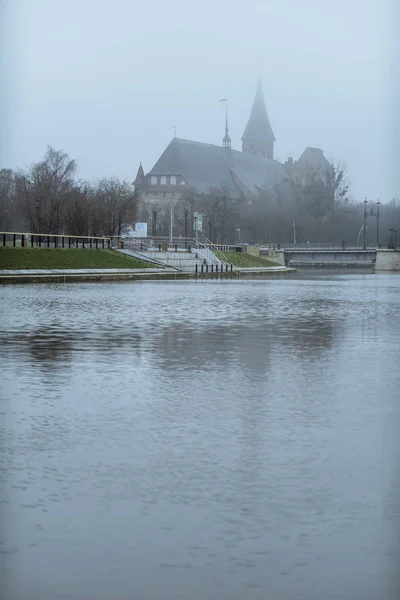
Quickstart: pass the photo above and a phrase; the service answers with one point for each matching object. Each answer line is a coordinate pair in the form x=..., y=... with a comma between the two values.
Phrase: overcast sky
x=106, y=80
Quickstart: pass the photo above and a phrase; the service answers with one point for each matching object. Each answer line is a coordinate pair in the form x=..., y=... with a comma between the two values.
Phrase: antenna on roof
x=226, y=140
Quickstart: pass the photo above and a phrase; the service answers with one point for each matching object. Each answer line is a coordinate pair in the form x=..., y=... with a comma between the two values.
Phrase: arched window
x=153, y=180
x=172, y=180
x=163, y=180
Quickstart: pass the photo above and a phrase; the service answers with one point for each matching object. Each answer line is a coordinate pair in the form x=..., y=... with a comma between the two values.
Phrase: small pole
x=189, y=248
x=176, y=247
x=197, y=266
x=159, y=247
x=32, y=240
x=77, y=243
x=171, y=226
x=202, y=268
x=97, y=243
x=55, y=241
x=14, y=239
x=22, y=241
x=377, y=223
x=207, y=268
x=48, y=241
x=212, y=268
x=62, y=242
x=90, y=243
x=69, y=242
x=231, y=268
x=83, y=242
x=4, y=239
x=40, y=241
x=216, y=268
x=108, y=243
x=103, y=243
x=365, y=222
x=186, y=212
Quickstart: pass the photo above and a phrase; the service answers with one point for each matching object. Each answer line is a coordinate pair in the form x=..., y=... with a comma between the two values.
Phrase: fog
x=108, y=81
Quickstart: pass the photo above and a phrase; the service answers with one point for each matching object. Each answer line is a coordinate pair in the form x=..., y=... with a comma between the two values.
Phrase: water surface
x=201, y=440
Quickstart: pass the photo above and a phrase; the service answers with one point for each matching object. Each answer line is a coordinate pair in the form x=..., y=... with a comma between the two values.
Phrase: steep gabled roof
x=206, y=165
x=258, y=126
x=140, y=178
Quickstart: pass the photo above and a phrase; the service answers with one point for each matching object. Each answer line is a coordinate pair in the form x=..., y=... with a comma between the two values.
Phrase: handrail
x=60, y=235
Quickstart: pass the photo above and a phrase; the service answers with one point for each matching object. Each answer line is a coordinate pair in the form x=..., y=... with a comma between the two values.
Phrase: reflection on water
x=200, y=440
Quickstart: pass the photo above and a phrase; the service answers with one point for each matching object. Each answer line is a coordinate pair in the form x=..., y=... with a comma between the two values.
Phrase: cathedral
x=187, y=164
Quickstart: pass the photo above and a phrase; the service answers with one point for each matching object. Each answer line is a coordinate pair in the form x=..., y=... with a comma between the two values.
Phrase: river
x=201, y=440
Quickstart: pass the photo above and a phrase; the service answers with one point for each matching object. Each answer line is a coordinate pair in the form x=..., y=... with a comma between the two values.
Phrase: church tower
x=258, y=137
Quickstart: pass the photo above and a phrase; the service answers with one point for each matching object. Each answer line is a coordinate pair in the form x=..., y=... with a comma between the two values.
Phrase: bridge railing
x=316, y=246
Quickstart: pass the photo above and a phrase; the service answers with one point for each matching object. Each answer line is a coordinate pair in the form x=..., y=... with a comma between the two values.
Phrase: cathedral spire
x=226, y=140
x=258, y=137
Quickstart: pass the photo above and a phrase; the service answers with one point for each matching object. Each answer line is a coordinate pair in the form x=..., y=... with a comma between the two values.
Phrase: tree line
x=47, y=197
x=313, y=208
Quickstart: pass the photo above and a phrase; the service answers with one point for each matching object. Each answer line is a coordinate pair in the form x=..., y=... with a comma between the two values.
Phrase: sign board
x=140, y=230
x=198, y=221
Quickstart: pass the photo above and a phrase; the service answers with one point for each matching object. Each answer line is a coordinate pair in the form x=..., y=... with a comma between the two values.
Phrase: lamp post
x=171, y=239
x=154, y=224
x=365, y=222
x=196, y=216
x=377, y=223
x=186, y=212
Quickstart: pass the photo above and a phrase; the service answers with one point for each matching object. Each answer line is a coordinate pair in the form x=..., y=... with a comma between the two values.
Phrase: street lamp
x=377, y=223
x=373, y=213
x=365, y=221
x=186, y=212
x=154, y=224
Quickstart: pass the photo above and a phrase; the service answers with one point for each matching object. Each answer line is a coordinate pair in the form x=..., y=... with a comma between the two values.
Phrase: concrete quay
x=79, y=275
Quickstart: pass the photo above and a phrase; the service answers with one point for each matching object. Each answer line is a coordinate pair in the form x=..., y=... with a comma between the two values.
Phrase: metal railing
x=51, y=240
x=317, y=246
x=210, y=254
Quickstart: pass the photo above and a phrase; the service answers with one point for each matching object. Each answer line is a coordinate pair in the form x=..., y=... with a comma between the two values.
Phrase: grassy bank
x=242, y=259
x=58, y=258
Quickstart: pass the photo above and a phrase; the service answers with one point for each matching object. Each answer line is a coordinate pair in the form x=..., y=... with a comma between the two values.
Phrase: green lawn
x=58, y=258
x=242, y=259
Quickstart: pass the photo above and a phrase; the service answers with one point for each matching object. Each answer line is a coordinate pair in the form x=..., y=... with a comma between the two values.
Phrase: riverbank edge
x=79, y=275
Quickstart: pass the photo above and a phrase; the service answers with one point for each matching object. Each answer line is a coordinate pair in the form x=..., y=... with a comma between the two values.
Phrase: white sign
x=198, y=221
x=140, y=230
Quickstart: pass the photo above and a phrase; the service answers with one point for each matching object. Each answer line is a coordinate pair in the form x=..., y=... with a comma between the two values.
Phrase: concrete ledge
x=69, y=275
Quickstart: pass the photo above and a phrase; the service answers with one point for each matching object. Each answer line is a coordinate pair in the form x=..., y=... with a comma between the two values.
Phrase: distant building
x=253, y=171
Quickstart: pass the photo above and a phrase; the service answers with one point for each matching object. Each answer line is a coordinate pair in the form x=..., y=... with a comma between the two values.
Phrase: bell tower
x=258, y=137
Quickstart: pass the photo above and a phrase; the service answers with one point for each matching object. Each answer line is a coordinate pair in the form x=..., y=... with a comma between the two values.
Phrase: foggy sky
x=106, y=81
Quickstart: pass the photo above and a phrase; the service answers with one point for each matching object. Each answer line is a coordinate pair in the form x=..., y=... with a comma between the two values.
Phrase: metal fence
x=50, y=240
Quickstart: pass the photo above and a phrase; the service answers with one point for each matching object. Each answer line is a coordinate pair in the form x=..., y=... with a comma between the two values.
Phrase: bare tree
x=7, y=198
x=78, y=214
x=115, y=202
x=43, y=188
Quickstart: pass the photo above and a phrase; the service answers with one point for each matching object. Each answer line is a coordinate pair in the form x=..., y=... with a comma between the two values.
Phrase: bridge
x=322, y=255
